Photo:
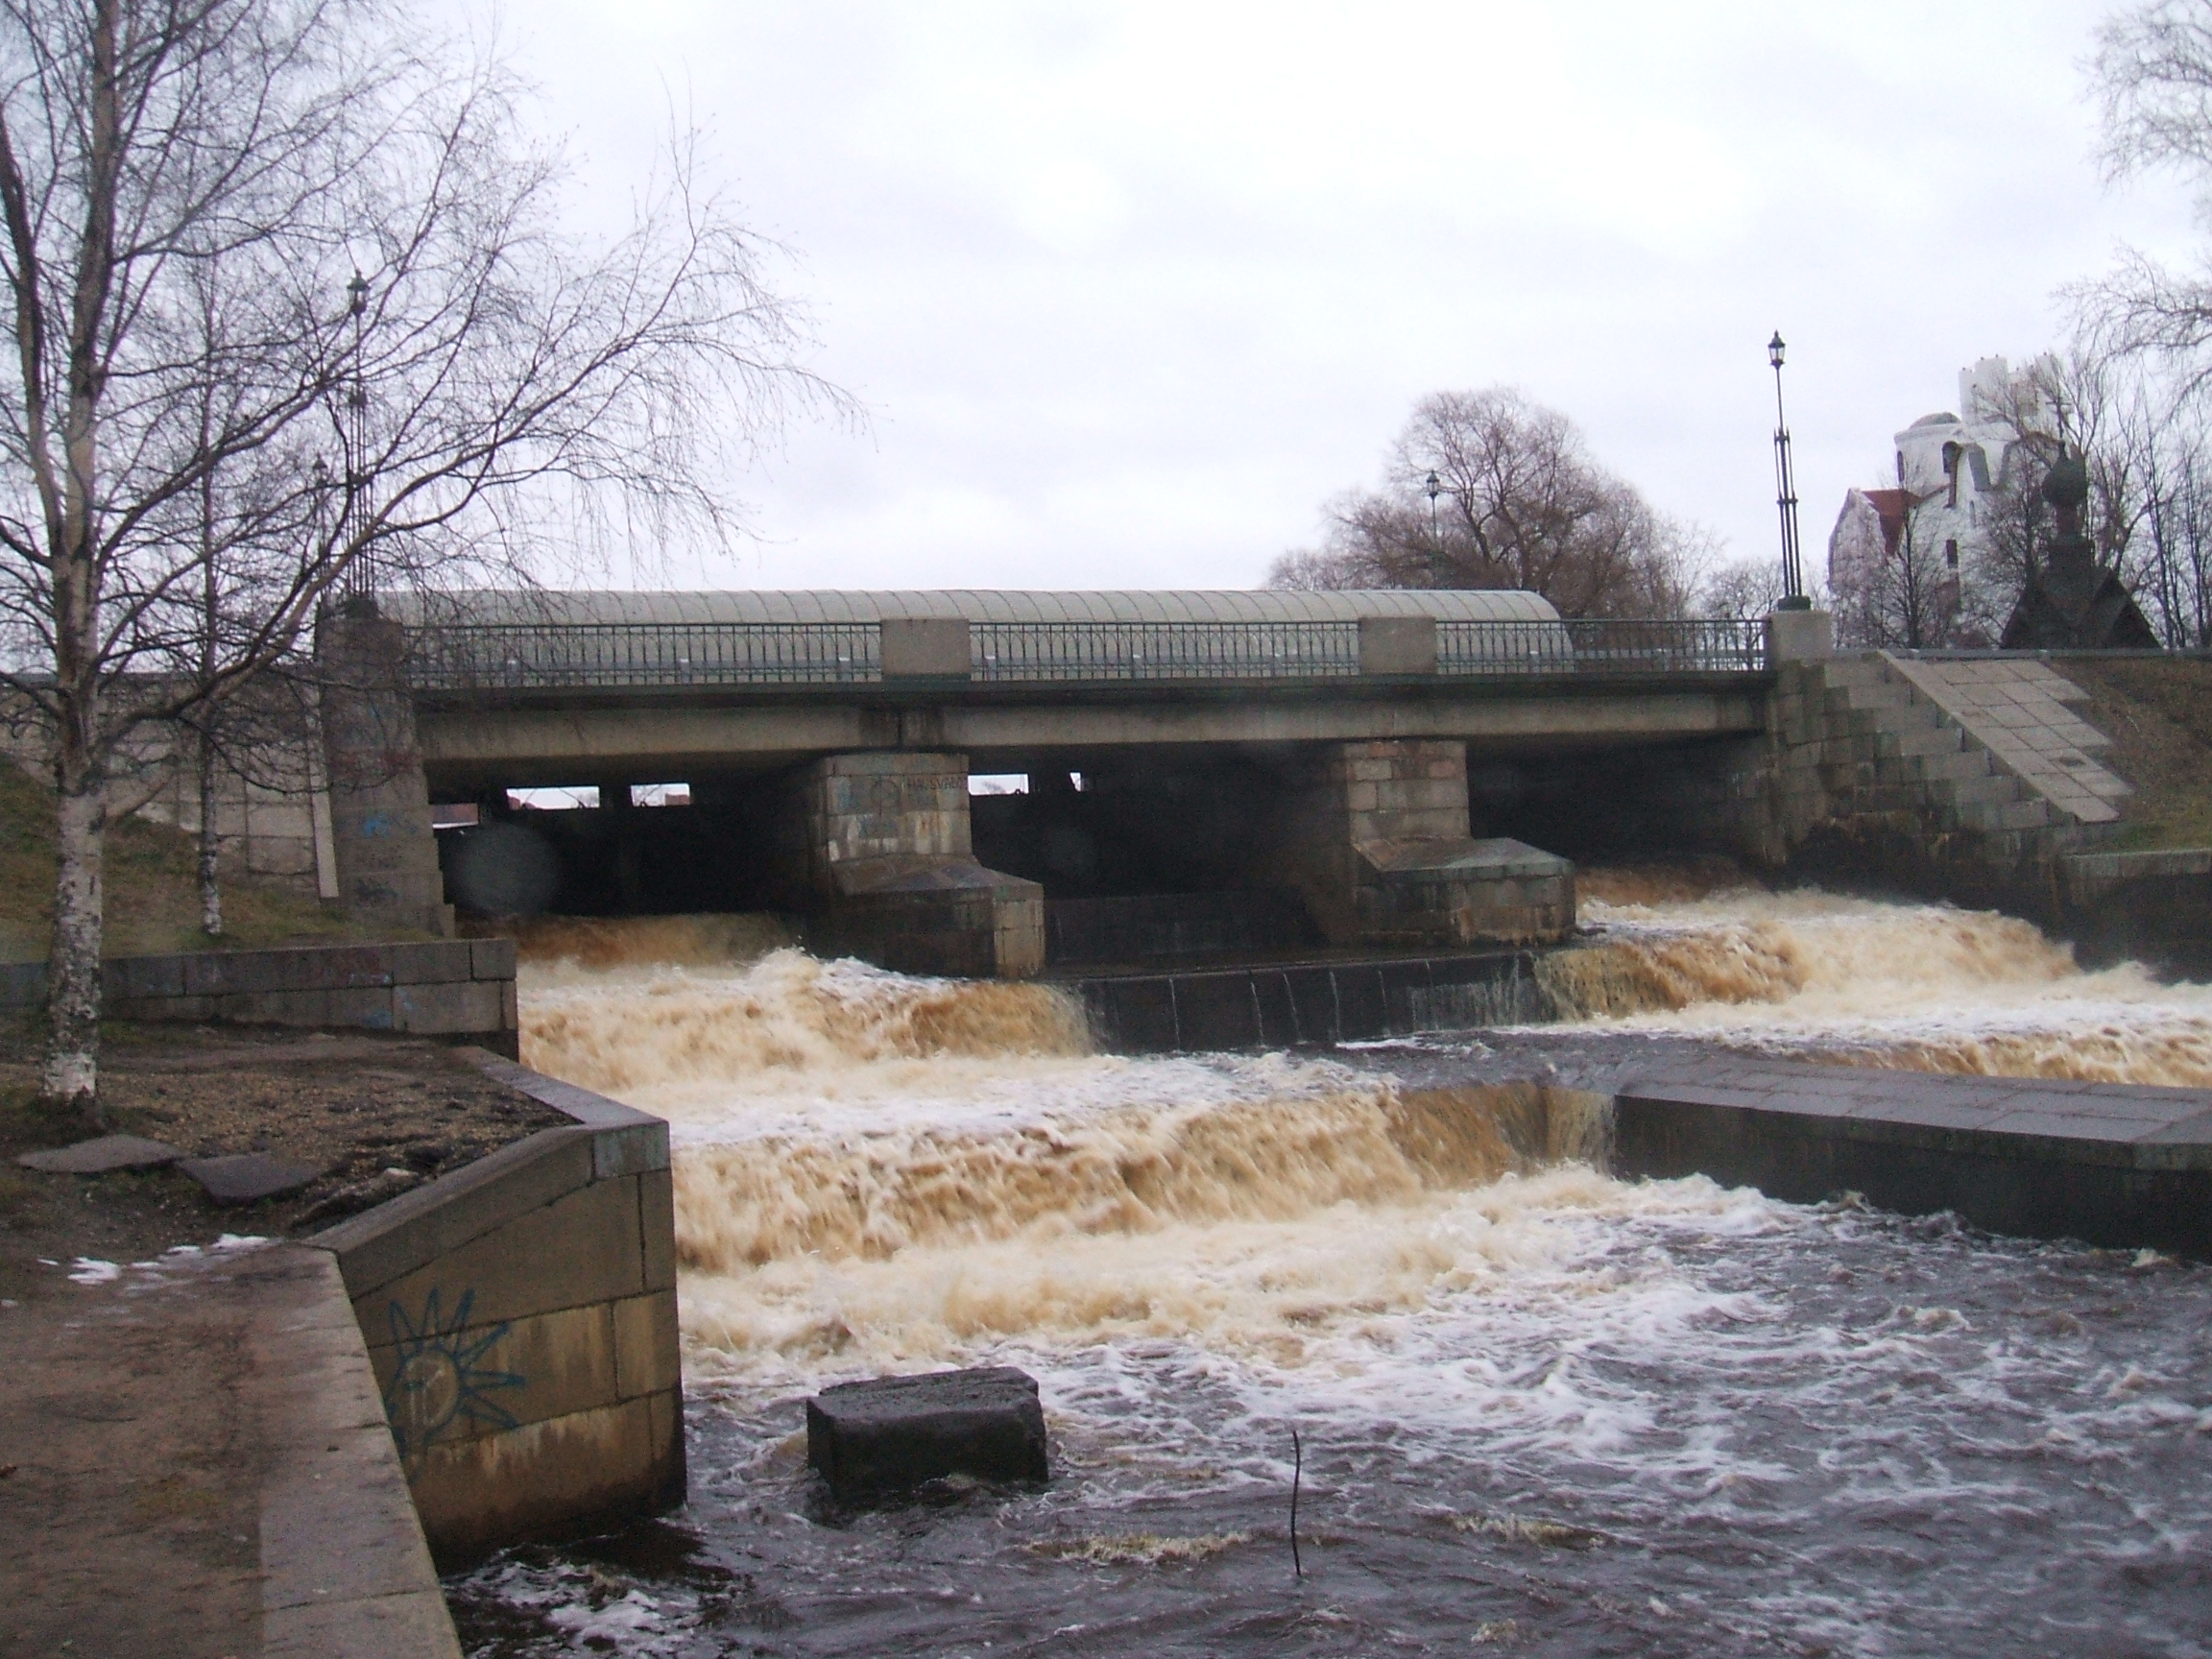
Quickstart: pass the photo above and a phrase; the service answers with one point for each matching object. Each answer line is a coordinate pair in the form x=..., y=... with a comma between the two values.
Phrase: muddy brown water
x=1542, y=1412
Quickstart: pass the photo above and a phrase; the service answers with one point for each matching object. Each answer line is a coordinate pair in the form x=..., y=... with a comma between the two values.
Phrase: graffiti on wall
x=443, y=1374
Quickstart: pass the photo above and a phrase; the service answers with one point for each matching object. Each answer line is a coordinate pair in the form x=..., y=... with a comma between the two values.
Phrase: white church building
x=1948, y=465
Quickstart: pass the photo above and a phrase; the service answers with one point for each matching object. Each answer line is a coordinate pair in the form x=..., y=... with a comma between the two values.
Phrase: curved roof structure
x=571, y=607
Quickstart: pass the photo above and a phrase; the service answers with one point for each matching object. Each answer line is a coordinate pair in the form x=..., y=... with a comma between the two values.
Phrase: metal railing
x=620, y=655
x=532, y=655
x=1108, y=651
x=1602, y=645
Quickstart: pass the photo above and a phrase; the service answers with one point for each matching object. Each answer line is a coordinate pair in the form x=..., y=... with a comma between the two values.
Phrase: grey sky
x=1131, y=290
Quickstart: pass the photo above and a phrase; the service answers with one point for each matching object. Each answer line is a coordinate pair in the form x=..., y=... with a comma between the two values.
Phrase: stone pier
x=1376, y=835
x=385, y=850
x=891, y=872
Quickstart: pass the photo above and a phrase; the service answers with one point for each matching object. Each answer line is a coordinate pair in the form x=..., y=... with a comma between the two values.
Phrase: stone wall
x=520, y=1318
x=1375, y=837
x=1964, y=779
x=886, y=842
x=431, y=988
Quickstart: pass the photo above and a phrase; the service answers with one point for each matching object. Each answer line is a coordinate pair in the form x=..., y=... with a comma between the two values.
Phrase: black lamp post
x=1435, y=487
x=1793, y=597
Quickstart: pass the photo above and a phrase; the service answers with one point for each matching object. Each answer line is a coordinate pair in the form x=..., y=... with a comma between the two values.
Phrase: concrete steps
x=1902, y=750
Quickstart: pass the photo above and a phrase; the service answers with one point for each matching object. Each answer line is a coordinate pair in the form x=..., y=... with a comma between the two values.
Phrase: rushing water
x=1541, y=1410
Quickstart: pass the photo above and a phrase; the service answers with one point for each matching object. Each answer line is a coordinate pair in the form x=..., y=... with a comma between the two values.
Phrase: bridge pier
x=891, y=874
x=386, y=852
x=1376, y=837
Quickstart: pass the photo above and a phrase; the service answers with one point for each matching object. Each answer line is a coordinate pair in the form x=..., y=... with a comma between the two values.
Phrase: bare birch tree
x=396, y=300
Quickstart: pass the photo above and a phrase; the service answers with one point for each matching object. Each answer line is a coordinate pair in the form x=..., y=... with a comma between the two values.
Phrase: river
x=1538, y=1412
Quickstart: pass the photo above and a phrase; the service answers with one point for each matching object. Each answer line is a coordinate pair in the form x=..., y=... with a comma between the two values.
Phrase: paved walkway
x=194, y=1463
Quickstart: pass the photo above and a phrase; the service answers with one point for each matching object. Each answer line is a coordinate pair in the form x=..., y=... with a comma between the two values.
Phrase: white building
x=1948, y=466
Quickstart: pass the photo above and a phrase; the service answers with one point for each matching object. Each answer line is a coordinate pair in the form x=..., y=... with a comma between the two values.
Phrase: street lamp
x=1785, y=495
x=1435, y=487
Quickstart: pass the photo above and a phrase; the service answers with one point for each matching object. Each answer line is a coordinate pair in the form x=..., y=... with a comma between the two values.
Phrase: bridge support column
x=387, y=853
x=1375, y=837
x=893, y=871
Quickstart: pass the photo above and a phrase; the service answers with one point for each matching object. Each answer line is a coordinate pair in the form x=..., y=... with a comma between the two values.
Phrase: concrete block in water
x=893, y=1433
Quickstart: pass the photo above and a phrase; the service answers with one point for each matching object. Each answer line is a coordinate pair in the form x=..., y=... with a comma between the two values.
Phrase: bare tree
x=396, y=297
x=1488, y=490
x=1912, y=600
x=1740, y=591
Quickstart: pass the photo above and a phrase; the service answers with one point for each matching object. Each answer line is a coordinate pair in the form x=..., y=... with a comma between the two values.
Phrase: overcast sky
x=1130, y=291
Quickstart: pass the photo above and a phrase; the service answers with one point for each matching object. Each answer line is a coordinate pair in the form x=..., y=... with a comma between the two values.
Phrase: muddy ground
x=373, y=1115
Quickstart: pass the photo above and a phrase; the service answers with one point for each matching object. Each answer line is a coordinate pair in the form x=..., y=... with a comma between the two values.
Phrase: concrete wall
x=434, y=988
x=520, y=1318
x=272, y=805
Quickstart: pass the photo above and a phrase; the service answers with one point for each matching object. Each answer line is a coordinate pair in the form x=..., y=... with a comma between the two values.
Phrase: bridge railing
x=1602, y=645
x=1105, y=651
x=528, y=655
x=615, y=655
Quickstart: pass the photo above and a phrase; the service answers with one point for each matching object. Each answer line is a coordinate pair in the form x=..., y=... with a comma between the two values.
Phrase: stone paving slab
x=103, y=1156
x=247, y=1177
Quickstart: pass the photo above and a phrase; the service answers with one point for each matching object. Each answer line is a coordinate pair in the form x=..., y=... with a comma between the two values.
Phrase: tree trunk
x=210, y=847
x=72, y=1074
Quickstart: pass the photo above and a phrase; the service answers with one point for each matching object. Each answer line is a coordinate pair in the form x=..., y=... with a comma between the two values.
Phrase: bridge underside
x=478, y=744
x=1230, y=819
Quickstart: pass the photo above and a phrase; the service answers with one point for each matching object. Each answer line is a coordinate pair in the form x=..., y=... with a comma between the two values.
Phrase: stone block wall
x=1966, y=779
x=886, y=843
x=431, y=988
x=1375, y=835
x=520, y=1319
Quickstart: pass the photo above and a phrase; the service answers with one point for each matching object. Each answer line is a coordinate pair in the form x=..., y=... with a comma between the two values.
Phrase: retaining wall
x=521, y=1317
x=433, y=988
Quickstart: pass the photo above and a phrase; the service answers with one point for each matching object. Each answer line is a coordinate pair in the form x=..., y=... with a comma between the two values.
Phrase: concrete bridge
x=1315, y=748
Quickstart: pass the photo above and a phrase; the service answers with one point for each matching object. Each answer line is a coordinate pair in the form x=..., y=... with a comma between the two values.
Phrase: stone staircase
x=1977, y=744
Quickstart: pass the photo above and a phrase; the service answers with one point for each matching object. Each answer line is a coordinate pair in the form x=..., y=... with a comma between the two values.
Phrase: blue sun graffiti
x=441, y=1378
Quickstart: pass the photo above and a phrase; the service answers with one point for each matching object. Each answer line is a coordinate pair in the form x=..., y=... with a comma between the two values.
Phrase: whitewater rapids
x=1542, y=1409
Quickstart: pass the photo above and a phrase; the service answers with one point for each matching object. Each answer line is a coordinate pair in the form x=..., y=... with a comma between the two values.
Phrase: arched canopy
x=571, y=607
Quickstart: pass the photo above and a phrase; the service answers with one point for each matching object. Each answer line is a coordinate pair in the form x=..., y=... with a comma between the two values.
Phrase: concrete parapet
x=345, y=1574
x=1397, y=644
x=521, y=1321
x=1800, y=635
x=432, y=988
x=925, y=647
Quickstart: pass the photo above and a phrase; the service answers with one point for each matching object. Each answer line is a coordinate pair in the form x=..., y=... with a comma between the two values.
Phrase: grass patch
x=153, y=888
x=2158, y=714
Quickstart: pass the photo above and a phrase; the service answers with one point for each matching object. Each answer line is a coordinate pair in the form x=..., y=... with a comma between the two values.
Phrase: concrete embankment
x=256, y=1448
x=520, y=1315
x=2110, y=1163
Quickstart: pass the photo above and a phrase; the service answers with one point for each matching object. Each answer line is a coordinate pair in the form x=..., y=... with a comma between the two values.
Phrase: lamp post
x=360, y=579
x=1435, y=487
x=1793, y=597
